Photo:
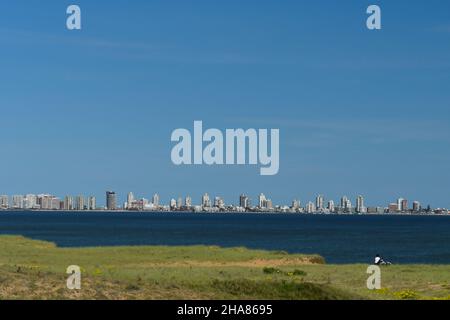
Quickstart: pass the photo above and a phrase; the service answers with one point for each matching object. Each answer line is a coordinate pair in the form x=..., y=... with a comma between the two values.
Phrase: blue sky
x=359, y=111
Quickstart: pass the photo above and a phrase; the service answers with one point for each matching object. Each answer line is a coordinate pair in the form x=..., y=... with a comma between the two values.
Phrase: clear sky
x=359, y=111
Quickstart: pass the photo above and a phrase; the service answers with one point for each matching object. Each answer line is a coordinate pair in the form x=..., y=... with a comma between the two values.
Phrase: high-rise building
x=219, y=203
x=348, y=206
x=144, y=204
x=244, y=201
x=92, y=203
x=17, y=201
x=155, y=200
x=344, y=202
x=262, y=201
x=319, y=203
x=130, y=200
x=295, y=204
x=404, y=205
x=173, y=203
x=111, y=200
x=79, y=203
x=68, y=203
x=55, y=203
x=416, y=206
x=330, y=206
x=30, y=201
x=4, y=202
x=188, y=202
x=360, y=208
x=179, y=202
x=399, y=204
x=45, y=201
x=310, y=207
x=206, y=202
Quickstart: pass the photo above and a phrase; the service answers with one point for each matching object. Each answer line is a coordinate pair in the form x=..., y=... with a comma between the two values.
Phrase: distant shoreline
x=221, y=212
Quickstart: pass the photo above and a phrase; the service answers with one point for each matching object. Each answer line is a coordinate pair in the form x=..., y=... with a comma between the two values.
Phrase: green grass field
x=32, y=269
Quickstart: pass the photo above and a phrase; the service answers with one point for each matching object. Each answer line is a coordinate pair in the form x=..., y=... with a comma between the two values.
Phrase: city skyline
x=184, y=203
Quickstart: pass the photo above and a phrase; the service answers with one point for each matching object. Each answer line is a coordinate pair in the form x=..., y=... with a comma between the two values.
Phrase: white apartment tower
x=360, y=208
x=319, y=203
x=155, y=200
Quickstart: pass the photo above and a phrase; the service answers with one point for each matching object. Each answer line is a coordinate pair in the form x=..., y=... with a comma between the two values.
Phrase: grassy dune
x=32, y=269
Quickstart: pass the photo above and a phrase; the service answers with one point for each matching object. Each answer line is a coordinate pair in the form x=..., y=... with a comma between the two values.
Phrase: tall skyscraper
x=206, y=202
x=45, y=201
x=310, y=207
x=360, y=208
x=79, y=203
x=188, y=202
x=295, y=204
x=92, y=203
x=262, y=201
x=405, y=205
x=244, y=201
x=173, y=203
x=219, y=203
x=348, y=206
x=344, y=201
x=399, y=204
x=68, y=203
x=30, y=201
x=55, y=203
x=319, y=203
x=17, y=201
x=155, y=200
x=4, y=202
x=130, y=200
x=111, y=200
x=330, y=206
x=416, y=206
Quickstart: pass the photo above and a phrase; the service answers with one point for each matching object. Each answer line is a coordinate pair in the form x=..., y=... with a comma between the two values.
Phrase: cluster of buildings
x=46, y=202
x=345, y=205
x=208, y=204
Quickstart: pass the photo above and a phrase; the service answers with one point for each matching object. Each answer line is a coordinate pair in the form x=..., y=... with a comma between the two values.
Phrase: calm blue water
x=340, y=239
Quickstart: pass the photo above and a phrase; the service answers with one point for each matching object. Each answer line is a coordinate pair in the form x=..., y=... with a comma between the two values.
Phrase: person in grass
x=379, y=260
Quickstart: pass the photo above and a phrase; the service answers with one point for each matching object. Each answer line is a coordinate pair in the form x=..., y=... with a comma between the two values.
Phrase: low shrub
x=269, y=270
